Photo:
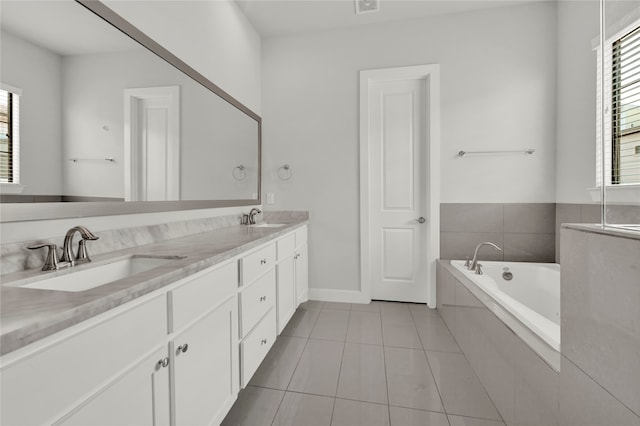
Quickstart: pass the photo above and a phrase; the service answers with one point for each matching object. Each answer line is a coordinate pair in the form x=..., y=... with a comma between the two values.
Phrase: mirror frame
x=18, y=212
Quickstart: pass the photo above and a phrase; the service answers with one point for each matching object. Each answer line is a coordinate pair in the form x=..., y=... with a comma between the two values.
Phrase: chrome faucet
x=252, y=215
x=81, y=256
x=473, y=266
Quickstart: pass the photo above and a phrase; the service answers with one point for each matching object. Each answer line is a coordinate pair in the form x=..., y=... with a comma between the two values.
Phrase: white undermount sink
x=88, y=276
x=268, y=225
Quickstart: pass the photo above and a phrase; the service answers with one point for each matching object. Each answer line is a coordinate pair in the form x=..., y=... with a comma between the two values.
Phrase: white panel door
x=398, y=190
x=154, y=149
x=152, y=144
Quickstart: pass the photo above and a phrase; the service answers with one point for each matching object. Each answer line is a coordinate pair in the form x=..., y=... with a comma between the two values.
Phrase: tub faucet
x=67, y=251
x=474, y=262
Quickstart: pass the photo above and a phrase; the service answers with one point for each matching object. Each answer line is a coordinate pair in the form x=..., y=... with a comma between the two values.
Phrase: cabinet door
x=286, y=283
x=205, y=373
x=139, y=397
x=302, y=274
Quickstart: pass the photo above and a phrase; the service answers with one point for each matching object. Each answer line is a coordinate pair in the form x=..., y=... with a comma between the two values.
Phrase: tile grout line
x=344, y=345
x=431, y=369
x=384, y=359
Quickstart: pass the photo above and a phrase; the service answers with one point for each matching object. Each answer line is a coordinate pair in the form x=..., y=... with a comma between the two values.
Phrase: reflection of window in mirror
x=9, y=136
x=622, y=108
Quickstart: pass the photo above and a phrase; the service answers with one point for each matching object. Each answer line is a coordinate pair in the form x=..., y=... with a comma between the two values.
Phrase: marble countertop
x=27, y=315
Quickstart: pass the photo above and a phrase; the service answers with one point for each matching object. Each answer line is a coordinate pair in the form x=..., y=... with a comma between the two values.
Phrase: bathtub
x=532, y=295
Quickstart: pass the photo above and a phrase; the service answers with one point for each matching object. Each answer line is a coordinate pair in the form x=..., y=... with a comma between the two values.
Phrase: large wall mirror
x=106, y=121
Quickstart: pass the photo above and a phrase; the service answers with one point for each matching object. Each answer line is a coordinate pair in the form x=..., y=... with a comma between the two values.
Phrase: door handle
x=420, y=220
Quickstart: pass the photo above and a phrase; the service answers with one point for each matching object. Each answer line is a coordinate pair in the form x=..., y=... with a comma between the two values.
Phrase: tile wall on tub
x=525, y=231
x=600, y=372
x=590, y=213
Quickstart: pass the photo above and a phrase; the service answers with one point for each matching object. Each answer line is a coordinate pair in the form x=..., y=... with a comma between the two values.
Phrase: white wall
x=576, y=132
x=37, y=72
x=212, y=36
x=498, y=92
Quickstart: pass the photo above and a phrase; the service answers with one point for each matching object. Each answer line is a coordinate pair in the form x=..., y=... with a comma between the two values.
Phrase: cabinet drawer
x=198, y=295
x=301, y=236
x=58, y=376
x=257, y=299
x=286, y=245
x=255, y=346
x=257, y=263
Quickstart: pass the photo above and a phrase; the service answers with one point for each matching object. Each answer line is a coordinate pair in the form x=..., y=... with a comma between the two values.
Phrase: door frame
x=131, y=152
x=431, y=75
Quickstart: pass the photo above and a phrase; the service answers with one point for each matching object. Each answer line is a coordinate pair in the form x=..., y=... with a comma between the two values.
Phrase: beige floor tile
x=355, y=413
x=254, y=407
x=409, y=380
x=278, y=366
x=319, y=368
x=401, y=336
x=410, y=417
x=362, y=375
x=365, y=327
x=298, y=409
x=331, y=325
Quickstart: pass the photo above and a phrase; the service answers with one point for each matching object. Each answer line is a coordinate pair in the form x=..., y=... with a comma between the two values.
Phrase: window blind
x=6, y=146
x=625, y=109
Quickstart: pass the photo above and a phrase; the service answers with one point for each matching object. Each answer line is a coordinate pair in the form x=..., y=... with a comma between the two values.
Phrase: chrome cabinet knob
x=164, y=362
x=183, y=348
x=263, y=261
x=420, y=219
x=263, y=298
x=263, y=342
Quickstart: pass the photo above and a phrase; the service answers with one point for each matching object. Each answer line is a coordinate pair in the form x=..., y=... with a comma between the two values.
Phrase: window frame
x=607, y=107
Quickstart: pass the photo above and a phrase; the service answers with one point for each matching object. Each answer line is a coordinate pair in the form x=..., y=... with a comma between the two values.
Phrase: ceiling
x=62, y=26
x=280, y=17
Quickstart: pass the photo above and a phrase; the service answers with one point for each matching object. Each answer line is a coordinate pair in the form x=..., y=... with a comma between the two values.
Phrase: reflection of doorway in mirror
x=152, y=144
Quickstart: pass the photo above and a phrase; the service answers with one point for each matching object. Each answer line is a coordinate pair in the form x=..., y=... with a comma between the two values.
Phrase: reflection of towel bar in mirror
x=239, y=172
x=110, y=159
x=516, y=151
x=284, y=172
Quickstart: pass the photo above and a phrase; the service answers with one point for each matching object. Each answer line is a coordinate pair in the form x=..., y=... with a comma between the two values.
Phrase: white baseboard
x=331, y=295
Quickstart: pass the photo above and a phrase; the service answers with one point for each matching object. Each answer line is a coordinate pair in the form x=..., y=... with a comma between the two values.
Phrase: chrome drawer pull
x=183, y=348
x=263, y=342
x=263, y=261
x=263, y=298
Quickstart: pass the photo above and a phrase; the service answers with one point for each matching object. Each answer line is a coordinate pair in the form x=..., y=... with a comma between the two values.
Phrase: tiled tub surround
x=600, y=379
x=522, y=385
x=524, y=231
x=591, y=213
x=27, y=315
x=598, y=382
x=16, y=257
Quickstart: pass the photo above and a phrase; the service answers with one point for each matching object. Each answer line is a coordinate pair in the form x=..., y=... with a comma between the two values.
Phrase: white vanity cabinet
x=170, y=357
x=139, y=397
x=204, y=346
x=292, y=274
x=302, y=266
x=46, y=380
x=257, y=308
x=286, y=279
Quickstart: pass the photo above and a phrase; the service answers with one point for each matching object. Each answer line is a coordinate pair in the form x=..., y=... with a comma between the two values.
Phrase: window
x=625, y=108
x=9, y=134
